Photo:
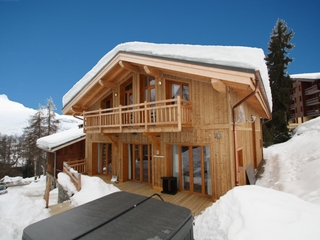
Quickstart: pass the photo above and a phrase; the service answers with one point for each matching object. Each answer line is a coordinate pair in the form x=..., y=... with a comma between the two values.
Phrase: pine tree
x=42, y=124
x=31, y=133
x=276, y=130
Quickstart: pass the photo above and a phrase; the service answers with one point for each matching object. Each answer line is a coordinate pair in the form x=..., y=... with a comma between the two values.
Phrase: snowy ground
x=284, y=204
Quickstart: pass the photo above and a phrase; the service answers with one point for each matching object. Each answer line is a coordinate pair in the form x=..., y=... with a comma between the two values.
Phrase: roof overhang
x=240, y=80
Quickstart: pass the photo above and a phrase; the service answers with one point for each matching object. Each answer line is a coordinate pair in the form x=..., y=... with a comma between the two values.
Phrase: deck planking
x=195, y=203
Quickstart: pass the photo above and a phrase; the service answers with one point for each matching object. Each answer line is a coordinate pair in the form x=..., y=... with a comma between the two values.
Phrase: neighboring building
x=68, y=145
x=305, y=99
x=188, y=112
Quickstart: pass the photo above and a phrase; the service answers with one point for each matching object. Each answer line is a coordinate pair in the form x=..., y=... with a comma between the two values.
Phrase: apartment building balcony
x=292, y=106
x=313, y=113
x=313, y=101
x=159, y=116
x=312, y=90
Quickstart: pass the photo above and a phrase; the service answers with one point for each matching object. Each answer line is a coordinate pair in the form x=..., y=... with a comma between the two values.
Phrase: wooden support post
x=155, y=142
x=47, y=191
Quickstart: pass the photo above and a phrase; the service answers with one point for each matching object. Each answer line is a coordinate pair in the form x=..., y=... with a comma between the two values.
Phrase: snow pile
x=229, y=56
x=20, y=207
x=14, y=181
x=253, y=212
x=91, y=188
x=293, y=166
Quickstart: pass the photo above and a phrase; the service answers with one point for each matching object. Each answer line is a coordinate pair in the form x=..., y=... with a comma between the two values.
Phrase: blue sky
x=46, y=46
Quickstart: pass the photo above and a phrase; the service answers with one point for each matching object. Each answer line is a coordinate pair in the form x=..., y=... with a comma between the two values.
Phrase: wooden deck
x=195, y=203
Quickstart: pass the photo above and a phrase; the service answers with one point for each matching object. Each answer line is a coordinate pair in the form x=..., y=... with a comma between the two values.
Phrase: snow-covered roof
x=228, y=56
x=315, y=75
x=52, y=142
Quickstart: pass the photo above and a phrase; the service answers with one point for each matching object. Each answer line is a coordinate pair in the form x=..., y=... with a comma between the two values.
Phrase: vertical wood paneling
x=211, y=114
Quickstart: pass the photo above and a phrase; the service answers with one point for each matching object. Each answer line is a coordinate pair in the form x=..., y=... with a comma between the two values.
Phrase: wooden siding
x=71, y=152
x=211, y=115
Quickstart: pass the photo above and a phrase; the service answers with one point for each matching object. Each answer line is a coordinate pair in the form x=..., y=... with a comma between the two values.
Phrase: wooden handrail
x=74, y=169
x=140, y=116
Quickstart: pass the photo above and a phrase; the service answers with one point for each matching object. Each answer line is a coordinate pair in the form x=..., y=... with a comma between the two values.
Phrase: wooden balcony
x=161, y=116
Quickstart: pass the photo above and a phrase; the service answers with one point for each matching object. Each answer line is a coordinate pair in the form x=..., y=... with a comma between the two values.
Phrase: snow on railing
x=74, y=169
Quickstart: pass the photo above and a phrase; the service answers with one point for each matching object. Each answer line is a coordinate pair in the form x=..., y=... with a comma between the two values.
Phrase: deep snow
x=284, y=203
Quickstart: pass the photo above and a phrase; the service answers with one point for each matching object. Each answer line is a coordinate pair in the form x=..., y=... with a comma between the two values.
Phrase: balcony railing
x=313, y=101
x=159, y=116
x=311, y=90
x=313, y=113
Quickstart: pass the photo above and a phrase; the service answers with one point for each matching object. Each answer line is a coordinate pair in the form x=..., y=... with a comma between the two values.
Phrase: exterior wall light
x=160, y=83
x=218, y=136
x=116, y=94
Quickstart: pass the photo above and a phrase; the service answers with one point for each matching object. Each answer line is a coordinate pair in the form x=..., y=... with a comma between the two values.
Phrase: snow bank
x=253, y=212
x=230, y=56
x=91, y=188
x=20, y=207
x=293, y=166
x=13, y=181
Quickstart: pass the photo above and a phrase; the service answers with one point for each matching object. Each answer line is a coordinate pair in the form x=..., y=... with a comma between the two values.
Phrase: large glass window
x=191, y=166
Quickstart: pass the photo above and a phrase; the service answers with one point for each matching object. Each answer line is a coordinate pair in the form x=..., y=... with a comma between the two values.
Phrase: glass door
x=191, y=166
x=140, y=163
x=104, y=158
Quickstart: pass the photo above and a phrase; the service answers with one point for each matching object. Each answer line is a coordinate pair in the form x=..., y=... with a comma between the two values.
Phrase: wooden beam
x=218, y=85
x=128, y=66
x=78, y=109
x=104, y=83
x=153, y=139
x=152, y=71
x=113, y=141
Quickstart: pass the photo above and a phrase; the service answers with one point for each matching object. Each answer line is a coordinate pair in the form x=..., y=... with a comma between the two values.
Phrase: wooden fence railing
x=140, y=117
x=74, y=169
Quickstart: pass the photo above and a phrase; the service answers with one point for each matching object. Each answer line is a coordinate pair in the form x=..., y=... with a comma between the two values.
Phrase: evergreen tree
x=10, y=150
x=276, y=130
x=42, y=124
x=35, y=130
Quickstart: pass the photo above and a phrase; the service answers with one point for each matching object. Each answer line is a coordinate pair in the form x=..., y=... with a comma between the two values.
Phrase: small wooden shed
x=63, y=146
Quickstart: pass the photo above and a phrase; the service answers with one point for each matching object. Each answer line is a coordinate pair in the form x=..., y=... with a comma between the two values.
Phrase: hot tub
x=120, y=215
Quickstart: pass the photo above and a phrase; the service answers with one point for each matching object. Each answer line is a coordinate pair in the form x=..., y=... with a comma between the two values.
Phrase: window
x=175, y=89
x=148, y=88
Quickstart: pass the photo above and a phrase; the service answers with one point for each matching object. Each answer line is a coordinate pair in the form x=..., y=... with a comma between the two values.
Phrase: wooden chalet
x=153, y=111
